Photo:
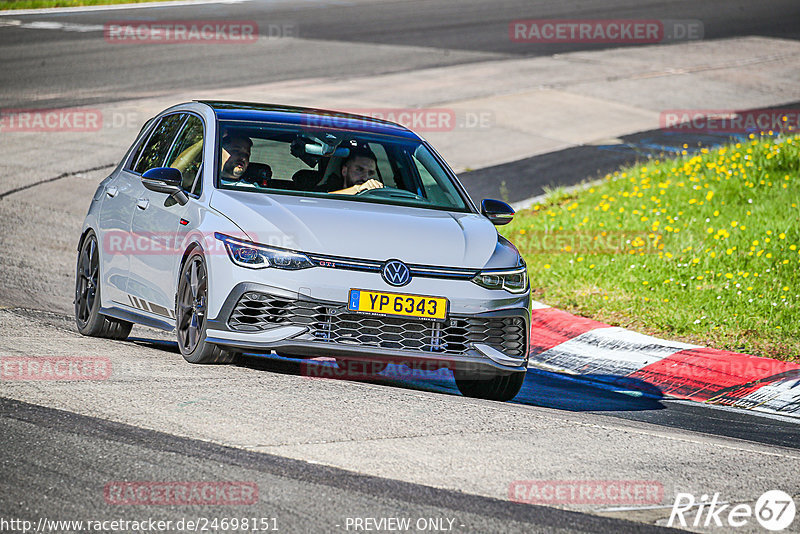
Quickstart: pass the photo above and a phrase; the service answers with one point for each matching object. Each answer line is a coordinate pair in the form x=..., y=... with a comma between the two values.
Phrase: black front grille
x=256, y=312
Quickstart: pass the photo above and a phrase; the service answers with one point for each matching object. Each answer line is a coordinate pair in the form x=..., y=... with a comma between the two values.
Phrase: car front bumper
x=261, y=319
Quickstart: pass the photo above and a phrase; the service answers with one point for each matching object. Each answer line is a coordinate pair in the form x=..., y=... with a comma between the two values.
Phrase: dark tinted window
x=138, y=150
x=297, y=161
x=187, y=153
x=155, y=152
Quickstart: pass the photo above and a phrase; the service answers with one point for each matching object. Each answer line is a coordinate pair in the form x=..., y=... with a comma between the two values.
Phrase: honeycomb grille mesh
x=256, y=312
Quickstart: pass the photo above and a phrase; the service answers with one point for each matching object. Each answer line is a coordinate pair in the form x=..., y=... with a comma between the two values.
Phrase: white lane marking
x=535, y=305
x=46, y=25
x=654, y=507
x=87, y=28
x=110, y=7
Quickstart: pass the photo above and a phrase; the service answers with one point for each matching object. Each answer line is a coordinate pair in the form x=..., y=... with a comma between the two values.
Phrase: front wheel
x=191, y=311
x=88, y=319
x=498, y=388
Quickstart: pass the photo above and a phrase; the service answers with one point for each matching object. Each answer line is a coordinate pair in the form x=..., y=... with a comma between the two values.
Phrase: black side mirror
x=165, y=180
x=497, y=211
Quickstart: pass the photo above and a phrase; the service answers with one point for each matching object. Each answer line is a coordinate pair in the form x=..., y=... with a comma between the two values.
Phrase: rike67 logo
x=774, y=511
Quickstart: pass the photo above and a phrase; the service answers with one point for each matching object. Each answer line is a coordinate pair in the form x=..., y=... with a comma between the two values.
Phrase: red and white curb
x=566, y=343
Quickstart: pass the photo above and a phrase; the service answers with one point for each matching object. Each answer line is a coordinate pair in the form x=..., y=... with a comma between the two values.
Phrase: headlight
x=256, y=256
x=512, y=280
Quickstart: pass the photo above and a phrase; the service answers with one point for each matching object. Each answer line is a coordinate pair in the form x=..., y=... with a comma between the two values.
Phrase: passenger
x=235, y=156
x=359, y=172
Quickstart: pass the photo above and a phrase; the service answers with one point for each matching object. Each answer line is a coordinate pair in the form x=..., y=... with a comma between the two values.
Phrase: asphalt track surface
x=301, y=496
x=336, y=38
x=53, y=460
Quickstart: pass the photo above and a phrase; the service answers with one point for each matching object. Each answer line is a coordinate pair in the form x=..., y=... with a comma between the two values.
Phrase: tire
x=498, y=388
x=88, y=319
x=190, y=314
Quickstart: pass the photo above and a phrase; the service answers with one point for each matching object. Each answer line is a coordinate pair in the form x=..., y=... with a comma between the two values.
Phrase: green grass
x=37, y=4
x=704, y=248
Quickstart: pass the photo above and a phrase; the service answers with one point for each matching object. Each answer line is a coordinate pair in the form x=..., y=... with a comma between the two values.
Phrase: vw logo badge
x=396, y=273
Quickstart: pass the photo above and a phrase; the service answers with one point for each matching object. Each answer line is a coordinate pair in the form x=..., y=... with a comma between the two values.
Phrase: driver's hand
x=369, y=184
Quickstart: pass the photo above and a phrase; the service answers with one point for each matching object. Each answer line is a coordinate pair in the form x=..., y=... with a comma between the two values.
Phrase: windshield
x=346, y=165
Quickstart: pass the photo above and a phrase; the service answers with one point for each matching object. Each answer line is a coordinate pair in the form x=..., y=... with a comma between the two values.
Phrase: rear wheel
x=89, y=320
x=499, y=387
x=190, y=314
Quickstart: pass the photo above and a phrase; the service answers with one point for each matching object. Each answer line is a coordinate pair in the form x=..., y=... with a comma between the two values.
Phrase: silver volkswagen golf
x=308, y=233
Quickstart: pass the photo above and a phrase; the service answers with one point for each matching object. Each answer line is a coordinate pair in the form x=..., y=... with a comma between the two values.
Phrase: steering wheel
x=391, y=192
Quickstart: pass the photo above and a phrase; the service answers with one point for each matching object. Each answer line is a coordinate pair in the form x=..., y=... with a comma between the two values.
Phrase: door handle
x=111, y=191
x=142, y=203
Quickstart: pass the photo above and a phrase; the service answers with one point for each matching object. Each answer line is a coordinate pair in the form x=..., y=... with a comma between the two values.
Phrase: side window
x=187, y=154
x=155, y=152
x=138, y=150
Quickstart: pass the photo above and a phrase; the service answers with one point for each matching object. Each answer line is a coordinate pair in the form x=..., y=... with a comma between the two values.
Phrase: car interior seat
x=306, y=180
x=258, y=173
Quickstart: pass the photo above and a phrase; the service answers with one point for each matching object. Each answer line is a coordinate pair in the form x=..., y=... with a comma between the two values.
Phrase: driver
x=359, y=172
x=235, y=156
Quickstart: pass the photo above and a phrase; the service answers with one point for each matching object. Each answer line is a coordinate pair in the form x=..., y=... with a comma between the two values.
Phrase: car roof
x=311, y=117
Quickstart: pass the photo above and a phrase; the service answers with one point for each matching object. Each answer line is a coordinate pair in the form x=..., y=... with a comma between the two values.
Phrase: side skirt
x=139, y=318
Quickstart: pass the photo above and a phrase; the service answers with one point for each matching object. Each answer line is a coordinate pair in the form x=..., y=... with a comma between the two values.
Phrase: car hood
x=361, y=229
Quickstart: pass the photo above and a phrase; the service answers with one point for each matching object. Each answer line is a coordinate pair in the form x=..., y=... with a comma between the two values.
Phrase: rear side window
x=138, y=150
x=187, y=154
x=155, y=151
